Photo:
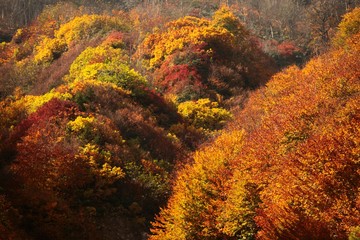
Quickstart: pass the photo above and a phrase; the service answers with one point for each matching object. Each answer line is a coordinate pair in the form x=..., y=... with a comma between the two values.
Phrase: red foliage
x=300, y=154
x=179, y=76
x=287, y=49
x=183, y=71
x=114, y=39
x=152, y=139
x=54, y=108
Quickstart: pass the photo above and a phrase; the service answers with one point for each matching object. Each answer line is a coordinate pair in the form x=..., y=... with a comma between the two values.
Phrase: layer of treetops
x=180, y=120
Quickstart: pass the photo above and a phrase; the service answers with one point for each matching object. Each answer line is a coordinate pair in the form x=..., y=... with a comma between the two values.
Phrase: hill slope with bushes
x=93, y=127
x=287, y=167
x=127, y=125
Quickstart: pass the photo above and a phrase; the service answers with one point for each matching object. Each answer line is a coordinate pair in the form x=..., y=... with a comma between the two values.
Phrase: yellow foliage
x=349, y=26
x=111, y=172
x=296, y=173
x=355, y=233
x=105, y=64
x=49, y=49
x=88, y=26
x=100, y=164
x=225, y=18
x=11, y=113
x=204, y=114
x=182, y=33
x=199, y=191
x=80, y=86
x=80, y=123
x=33, y=102
x=238, y=211
x=83, y=27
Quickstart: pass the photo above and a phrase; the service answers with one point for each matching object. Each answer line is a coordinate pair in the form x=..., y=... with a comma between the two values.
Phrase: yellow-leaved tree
x=198, y=209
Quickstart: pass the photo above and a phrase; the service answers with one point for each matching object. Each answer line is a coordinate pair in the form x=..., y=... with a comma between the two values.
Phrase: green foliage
x=153, y=181
x=102, y=140
x=63, y=169
x=106, y=64
x=204, y=113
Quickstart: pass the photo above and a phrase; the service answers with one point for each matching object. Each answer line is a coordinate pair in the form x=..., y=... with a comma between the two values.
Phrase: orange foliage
x=305, y=149
x=287, y=167
x=199, y=192
x=299, y=162
x=194, y=58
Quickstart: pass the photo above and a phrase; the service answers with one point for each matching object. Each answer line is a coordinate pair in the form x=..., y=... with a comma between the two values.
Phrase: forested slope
x=287, y=167
x=93, y=126
x=111, y=112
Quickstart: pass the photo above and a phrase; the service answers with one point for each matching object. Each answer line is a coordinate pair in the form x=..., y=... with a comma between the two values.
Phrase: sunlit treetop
x=106, y=64
x=297, y=174
x=85, y=27
x=88, y=26
x=226, y=19
x=224, y=28
x=349, y=26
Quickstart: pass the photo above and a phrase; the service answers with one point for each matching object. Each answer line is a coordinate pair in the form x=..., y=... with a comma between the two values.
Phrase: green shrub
x=105, y=64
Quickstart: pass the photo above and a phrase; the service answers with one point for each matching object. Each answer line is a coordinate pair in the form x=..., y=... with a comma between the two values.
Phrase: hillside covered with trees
x=180, y=120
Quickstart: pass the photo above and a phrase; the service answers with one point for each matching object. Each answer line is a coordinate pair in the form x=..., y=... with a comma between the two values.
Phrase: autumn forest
x=179, y=120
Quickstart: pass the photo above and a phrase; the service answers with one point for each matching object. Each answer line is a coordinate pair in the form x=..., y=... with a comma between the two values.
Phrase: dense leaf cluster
x=292, y=172
x=102, y=116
